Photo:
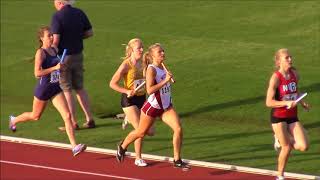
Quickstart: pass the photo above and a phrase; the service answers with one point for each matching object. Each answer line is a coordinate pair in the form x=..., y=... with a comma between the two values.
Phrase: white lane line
x=67, y=170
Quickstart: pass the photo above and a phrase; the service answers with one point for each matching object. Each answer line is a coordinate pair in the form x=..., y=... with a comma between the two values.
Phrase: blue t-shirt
x=71, y=24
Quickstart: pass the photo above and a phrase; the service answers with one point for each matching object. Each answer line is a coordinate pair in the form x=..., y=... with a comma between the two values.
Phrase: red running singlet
x=286, y=91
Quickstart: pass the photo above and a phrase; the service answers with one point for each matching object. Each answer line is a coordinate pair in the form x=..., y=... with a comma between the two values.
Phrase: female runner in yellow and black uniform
x=131, y=71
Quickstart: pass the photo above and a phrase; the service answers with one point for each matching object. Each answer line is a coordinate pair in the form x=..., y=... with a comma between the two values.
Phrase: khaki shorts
x=71, y=73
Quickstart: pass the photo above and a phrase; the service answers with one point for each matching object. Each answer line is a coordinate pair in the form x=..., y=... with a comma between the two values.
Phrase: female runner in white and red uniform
x=158, y=104
x=282, y=91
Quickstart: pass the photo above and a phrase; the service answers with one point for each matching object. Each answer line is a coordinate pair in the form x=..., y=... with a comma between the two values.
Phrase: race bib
x=165, y=89
x=54, y=76
x=290, y=97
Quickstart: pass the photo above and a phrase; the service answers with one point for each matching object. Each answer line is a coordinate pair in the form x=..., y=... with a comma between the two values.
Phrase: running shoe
x=280, y=178
x=276, y=145
x=89, y=124
x=12, y=127
x=120, y=153
x=78, y=149
x=140, y=163
x=120, y=116
x=124, y=123
x=180, y=164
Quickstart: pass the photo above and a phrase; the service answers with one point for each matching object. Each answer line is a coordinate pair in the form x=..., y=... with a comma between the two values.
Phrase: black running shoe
x=180, y=164
x=120, y=153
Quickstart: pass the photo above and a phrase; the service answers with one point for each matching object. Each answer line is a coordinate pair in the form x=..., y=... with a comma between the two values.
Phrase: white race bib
x=54, y=76
x=165, y=89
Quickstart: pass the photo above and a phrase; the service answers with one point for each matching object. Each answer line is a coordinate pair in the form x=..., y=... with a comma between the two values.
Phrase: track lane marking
x=67, y=170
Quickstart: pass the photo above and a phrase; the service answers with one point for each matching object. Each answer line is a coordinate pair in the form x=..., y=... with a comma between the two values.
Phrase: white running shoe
x=12, y=127
x=140, y=163
x=276, y=145
x=280, y=178
x=78, y=149
x=124, y=123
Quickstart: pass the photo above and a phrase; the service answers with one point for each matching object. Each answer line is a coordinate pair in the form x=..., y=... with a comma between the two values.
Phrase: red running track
x=25, y=161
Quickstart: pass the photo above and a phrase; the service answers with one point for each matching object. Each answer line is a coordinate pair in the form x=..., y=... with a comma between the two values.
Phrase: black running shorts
x=275, y=120
x=132, y=101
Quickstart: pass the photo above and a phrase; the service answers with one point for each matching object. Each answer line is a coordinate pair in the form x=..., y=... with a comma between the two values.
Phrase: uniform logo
x=291, y=87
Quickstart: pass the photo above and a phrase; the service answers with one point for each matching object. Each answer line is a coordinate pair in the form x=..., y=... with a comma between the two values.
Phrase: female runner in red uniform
x=281, y=93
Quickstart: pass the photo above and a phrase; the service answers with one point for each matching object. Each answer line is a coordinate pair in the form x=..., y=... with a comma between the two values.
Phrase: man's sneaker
x=276, y=145
x=140, y=163
x=12, y=127
x=124, y=123
x=78, y=149
x=120, y=152
x=89, y=124
x=180, y=164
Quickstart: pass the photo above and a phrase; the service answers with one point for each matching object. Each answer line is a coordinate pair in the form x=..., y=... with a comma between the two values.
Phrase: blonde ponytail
x=146, y=60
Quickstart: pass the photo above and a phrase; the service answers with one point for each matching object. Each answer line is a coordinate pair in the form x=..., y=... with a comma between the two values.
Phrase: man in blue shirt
x=70, y=26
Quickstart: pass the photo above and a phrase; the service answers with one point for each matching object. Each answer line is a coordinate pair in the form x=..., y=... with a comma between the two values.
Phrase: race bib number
x=165, y=89
x=137, y=83
x=54, y=76
x=290, y=97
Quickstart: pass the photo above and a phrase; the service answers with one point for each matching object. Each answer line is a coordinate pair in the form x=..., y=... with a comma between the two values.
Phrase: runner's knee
x=140, y=134
x=36, y=117
x=286, y=147
x=178, y=131
x=67, y=116
x=303, y=147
